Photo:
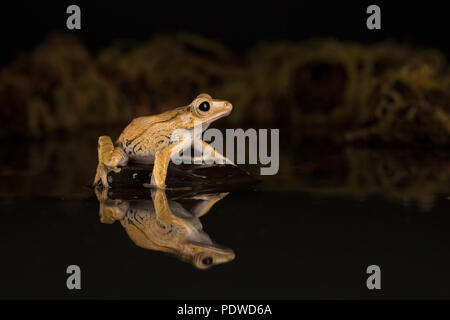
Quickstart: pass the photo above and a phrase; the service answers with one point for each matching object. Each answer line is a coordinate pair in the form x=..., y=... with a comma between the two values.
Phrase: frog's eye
x=204, y=106
x=207, y=261
x=202, y=109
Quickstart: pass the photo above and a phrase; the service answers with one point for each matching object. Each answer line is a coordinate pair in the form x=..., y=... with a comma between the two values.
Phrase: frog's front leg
x=163, y=211
x=162, y=159
x=109, y=158
x=209, y=154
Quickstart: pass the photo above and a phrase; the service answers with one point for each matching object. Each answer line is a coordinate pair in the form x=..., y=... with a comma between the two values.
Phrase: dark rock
x=132, y=182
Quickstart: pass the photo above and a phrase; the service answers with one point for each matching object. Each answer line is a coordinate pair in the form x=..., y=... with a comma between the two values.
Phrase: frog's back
x=136, y=128
x=146, y=135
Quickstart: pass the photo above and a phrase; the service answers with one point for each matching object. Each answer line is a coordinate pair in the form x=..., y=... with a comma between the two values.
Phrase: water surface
x=309, y=232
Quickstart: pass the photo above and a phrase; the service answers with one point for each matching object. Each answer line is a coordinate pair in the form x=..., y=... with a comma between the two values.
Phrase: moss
x=319, y=89
x=55, y=87
x=416, y=177
x=164, y=72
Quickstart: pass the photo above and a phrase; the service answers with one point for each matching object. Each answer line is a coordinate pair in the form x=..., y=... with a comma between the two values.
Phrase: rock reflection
x=164, y=224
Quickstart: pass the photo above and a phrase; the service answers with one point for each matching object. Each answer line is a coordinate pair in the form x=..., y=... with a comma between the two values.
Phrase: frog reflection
x=164, y=225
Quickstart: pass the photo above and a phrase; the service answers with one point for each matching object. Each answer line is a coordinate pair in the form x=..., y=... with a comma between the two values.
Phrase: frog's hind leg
x=109, y=155
x=100, y=175
x=109, y=158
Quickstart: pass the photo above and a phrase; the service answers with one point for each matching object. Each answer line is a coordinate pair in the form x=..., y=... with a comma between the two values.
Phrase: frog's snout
x=228, y=106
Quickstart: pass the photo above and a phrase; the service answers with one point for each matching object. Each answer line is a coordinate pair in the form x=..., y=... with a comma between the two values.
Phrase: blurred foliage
x=57, y=86
x=411, y=177
x=351, y=92
x=344, y=92
x=165, y=72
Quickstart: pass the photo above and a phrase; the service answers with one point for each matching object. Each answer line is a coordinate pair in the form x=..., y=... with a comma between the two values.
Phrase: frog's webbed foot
x=109, y=159
x=206, y=203
x=101, y=176
x=211, y=196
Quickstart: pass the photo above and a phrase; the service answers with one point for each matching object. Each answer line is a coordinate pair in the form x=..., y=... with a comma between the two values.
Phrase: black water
x=287, y=245
x=311, y=231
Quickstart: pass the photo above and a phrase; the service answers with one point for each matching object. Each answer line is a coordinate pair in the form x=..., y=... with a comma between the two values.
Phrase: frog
x=153, y=139
x=165, y=225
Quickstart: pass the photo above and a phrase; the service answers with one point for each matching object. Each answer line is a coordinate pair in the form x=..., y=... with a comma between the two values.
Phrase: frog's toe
x=97, y=178
x=101, y=176
x=96, y=181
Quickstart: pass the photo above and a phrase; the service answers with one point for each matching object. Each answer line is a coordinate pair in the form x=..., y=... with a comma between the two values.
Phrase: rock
x=132, y=182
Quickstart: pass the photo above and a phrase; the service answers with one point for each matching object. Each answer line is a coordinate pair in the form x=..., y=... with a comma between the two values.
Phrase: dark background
x=288, y=244
x=238, y=24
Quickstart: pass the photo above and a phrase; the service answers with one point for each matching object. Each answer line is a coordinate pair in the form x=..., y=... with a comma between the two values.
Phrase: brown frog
x=164, y=225
x=150, y=139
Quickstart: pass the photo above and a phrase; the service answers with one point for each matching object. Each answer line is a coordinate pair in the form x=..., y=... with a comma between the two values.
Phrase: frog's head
x=204, y=110
x=208, y=255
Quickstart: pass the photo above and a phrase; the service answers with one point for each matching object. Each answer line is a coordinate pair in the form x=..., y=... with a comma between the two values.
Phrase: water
x=309, y=232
